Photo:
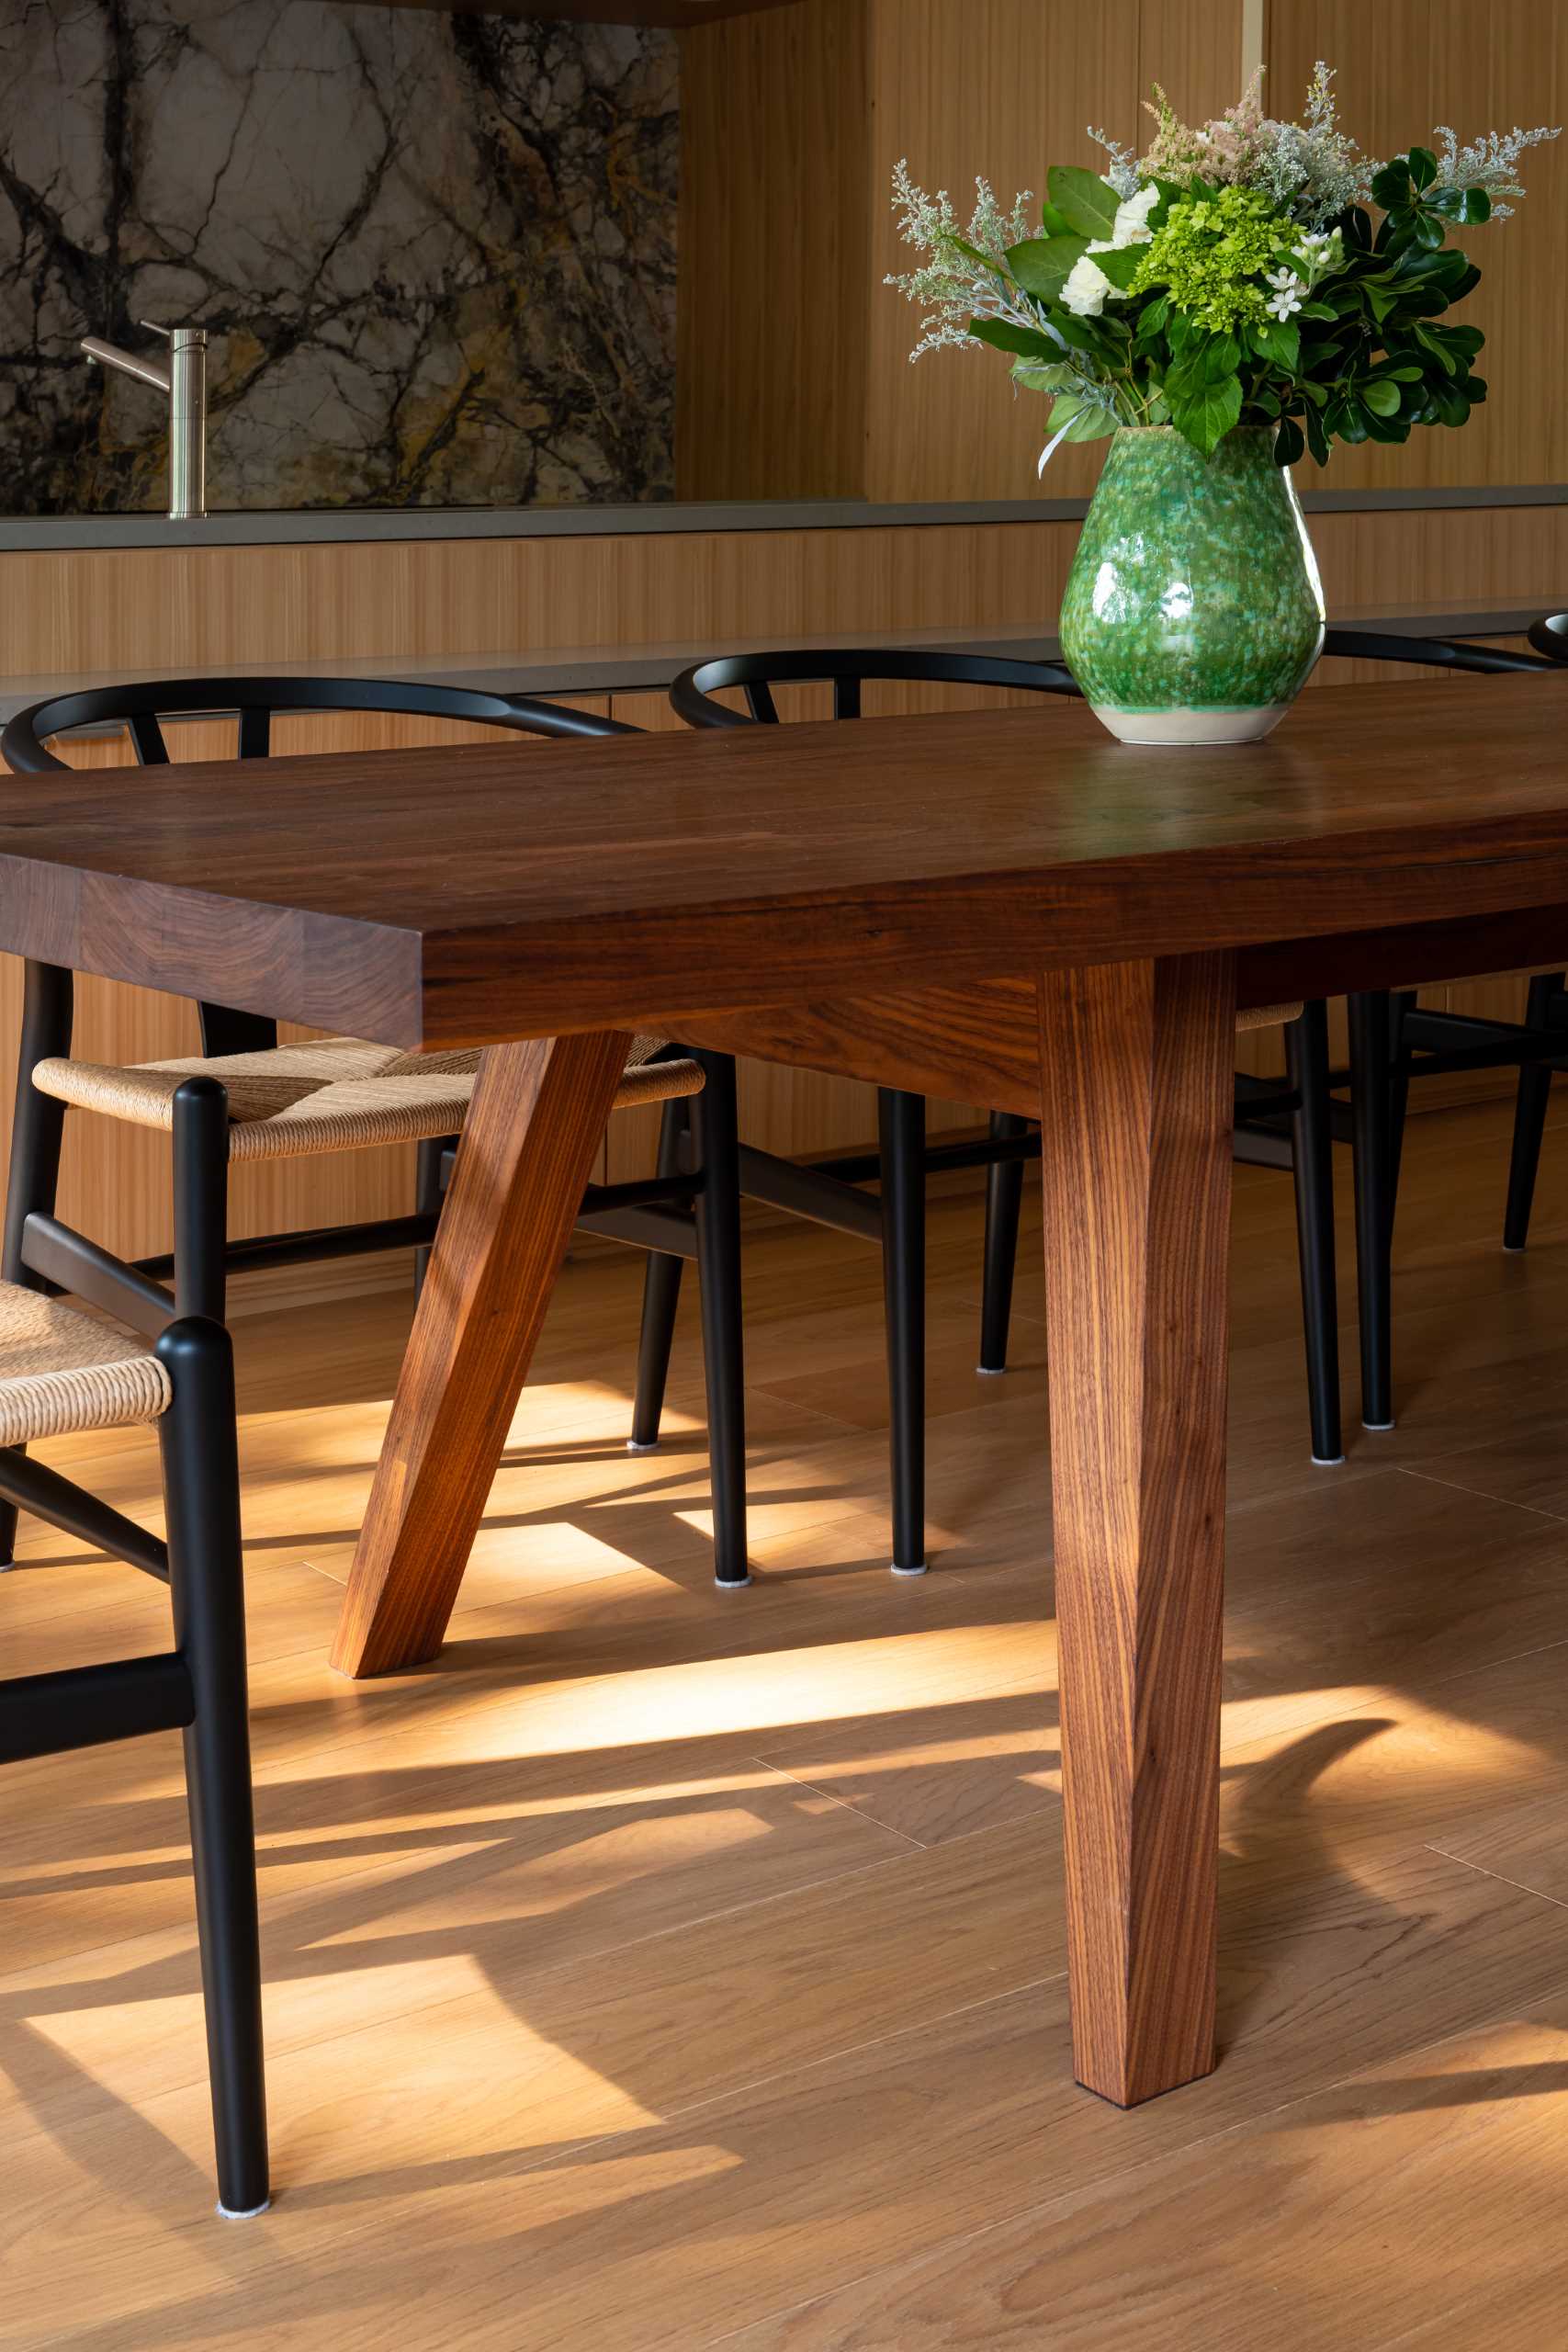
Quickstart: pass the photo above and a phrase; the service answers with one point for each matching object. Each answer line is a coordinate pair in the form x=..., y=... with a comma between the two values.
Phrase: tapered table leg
x=538, y=1115
x=1135, y=1103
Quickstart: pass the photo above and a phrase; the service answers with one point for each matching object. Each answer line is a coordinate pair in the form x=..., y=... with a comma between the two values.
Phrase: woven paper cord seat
x=61, y=1371
x=329, y=1095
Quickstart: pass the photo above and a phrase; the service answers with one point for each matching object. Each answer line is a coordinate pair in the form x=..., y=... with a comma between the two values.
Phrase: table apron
x=978, y=1042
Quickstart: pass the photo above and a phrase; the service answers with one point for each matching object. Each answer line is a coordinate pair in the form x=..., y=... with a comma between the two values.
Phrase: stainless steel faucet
x=183, y=381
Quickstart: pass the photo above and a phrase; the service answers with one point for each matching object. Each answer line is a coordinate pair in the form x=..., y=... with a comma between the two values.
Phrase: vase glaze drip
x=1193, y=611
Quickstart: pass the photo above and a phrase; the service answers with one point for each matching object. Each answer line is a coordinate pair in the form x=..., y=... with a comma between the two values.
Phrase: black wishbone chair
x=1550, y=636
x=1290, y=1118
x=1394, y=1040
x=62, y=1371
x=274, y=1102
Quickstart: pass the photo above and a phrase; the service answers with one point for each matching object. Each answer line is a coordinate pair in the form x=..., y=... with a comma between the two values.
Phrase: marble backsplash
x=435, y=253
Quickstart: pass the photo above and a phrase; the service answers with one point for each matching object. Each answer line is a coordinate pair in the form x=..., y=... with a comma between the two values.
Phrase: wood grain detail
x=528, y=1146
x=770, y=379
x=1135, y=1065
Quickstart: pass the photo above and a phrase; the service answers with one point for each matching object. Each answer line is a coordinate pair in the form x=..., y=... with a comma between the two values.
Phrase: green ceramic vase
x=1193, y=612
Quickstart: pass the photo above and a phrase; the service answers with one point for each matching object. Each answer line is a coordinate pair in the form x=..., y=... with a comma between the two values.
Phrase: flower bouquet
x=1222, y=304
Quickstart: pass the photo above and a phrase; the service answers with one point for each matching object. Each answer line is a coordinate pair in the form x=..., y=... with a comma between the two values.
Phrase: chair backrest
x=1431, y=652
x=756, y=674
x=139, y=707
x=1550, y=636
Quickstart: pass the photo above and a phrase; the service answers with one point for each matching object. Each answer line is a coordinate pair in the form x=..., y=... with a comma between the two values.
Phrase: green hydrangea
x=1212, y=251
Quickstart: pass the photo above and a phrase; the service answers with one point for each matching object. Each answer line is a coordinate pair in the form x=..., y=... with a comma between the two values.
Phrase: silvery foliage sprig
x=1122, y=172
x=1313, y=169
x=967, y=277
x=1491, y=161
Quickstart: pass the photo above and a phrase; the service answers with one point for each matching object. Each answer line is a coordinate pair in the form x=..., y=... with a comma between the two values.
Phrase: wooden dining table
x=1006, y=909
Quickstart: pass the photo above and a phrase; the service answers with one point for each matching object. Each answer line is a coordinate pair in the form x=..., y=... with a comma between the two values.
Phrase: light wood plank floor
x=671, y=1968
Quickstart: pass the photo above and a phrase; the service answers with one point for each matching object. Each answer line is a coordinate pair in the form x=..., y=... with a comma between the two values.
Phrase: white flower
x=1131, y=226
x=1085, y=289
x=1320, y=251
x=1287, y=294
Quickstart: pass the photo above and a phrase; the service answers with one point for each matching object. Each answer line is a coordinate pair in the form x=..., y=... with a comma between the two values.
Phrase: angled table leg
x=538, y=1115
x=1137, y=1077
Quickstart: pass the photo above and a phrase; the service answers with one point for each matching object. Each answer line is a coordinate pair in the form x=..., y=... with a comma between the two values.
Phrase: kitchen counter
x=264, y=526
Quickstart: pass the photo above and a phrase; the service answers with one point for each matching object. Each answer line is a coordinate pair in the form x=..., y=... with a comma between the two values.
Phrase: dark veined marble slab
x=435, y=253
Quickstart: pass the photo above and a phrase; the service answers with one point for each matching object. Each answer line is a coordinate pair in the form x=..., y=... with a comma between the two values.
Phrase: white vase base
x=1190, y=725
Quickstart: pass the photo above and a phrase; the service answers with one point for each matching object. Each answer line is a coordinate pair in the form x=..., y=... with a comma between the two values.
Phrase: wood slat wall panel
x=769, y=386
x=962, y=87
x=186, y=607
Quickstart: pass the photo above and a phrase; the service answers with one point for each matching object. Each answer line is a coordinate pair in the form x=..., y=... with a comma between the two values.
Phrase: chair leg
x=1370, y=1080
x=901, y=1123
x=427, y=1195
x=1004, y=1198
x=1530, y=1118
x=37, y=1130
x=1398, y=1097
x=201, y=1197
x=202, y=1502
x=660, y=1297
x=718, y=1276
x=1312, y=1152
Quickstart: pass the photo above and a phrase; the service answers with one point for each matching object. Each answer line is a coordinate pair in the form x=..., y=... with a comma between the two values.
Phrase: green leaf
x=1430, y=339
x=1083, y=199
x=1465, y=205
x=1208, y=416
x=1079, y=333
x=1317, y=311
x=1422, y=166
x=1288, y=443
x=1391, y=187
x=1054, y=223
x=1041, y=265
x=1078, y=420
x=1318, y=437
x=1382, y=398
x=1032, y=378
x=1003, y=336
x=1468, y=340
x=1119, y=267
x=1279, y=340
x=1153, y=316
x=1385, y=428
x=1428, y=231
x=1208, y=362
